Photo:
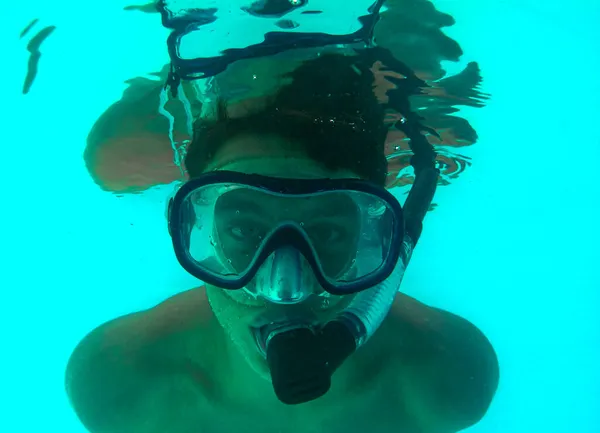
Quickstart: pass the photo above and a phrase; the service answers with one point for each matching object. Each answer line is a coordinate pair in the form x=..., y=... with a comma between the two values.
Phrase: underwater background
x=512, y=244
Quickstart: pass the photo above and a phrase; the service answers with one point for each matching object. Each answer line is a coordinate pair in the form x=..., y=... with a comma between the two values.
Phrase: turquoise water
x=512, y=245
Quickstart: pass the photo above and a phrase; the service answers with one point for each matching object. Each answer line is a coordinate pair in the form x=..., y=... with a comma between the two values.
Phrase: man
x=300, y=327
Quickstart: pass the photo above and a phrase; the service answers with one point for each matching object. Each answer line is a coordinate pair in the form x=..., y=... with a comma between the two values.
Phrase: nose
x=282, y=277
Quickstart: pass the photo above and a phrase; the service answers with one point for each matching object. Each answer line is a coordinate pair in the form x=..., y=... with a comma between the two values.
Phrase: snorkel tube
x=302, y=359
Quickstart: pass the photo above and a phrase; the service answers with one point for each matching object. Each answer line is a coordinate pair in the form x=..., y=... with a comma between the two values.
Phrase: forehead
x=245, y=146
x=270, y=155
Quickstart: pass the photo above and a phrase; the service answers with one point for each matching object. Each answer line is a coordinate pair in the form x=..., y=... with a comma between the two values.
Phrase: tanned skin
x=191, y=364
x=170, y=369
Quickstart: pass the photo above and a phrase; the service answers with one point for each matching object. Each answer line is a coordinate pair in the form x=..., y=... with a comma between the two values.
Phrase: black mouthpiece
x=302, y=361
x=298, y=366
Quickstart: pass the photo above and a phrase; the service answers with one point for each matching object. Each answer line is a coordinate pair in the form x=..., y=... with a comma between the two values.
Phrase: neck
x=243, y=385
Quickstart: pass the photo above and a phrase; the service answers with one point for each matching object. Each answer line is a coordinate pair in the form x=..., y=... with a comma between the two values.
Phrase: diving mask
x=225, y=226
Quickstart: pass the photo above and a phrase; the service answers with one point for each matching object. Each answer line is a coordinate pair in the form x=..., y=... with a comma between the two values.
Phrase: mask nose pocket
x=281, y=278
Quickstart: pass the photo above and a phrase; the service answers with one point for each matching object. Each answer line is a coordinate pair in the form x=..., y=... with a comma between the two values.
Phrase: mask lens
x=347, y=231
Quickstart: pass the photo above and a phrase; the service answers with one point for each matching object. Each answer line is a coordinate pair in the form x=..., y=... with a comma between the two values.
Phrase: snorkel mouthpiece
x=302, y=360
x=298, y=367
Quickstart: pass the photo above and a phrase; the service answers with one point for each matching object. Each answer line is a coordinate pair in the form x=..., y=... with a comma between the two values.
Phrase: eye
x=327, y=233
x=245, y=231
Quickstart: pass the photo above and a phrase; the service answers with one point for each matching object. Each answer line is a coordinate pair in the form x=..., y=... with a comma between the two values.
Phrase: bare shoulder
x=131, y=374
x=433, y=332
x=447, y=367
x=407, y=310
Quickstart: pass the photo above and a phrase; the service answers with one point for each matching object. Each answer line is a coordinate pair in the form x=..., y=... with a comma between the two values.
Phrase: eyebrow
x=337, y=206
x=228, y=203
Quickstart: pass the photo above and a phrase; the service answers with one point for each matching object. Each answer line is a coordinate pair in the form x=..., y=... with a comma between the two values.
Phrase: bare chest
x=368, y=419
x=375, y=411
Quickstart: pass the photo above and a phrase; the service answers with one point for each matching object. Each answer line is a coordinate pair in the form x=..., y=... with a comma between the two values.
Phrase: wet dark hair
x=329, y=109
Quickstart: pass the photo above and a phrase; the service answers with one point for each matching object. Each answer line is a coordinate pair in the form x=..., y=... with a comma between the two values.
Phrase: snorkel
x=302, y=358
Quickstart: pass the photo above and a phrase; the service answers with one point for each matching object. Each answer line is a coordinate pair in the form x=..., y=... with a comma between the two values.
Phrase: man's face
x=237, y=311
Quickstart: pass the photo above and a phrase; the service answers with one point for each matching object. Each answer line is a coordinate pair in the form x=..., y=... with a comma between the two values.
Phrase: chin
x=255, y=360
x=260, y=367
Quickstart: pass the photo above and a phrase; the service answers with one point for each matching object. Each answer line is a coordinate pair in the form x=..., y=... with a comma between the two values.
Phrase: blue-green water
x=512, y=244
